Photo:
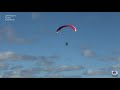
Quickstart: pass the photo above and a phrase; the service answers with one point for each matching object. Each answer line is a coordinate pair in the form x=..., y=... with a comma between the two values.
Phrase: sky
x=30, y=46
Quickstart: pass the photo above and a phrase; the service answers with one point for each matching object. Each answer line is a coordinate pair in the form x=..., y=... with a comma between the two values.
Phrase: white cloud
x=116, y=52
x=17, y=67
x=47, y=61
x=53, y=76
x=35, y=15
x=62, y=76
x=115, y=66
x=3, y=66
x=1, y=76
x=110, y=58
x=83, y=46
x=20, y=72
x=72, y=76
x=40, y=60
x=9, y=34
x=88, y=53
x=7, y=55
x=96, y=72
x=64, y=68
x=12, y=74
x=26, y=73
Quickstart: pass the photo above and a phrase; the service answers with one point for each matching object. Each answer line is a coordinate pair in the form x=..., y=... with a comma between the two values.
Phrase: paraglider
x=71, y=26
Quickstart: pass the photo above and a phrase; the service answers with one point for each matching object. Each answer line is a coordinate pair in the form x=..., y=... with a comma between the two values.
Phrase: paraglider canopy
x=71, y=26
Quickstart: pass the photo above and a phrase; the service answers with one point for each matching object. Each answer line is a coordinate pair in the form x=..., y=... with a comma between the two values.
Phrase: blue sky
x=30, y=46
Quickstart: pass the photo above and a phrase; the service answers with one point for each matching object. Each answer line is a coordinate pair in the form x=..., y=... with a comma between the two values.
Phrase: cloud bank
x=8, y=33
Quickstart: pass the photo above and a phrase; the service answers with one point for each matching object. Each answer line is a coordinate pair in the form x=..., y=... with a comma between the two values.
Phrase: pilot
x=66, y=43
